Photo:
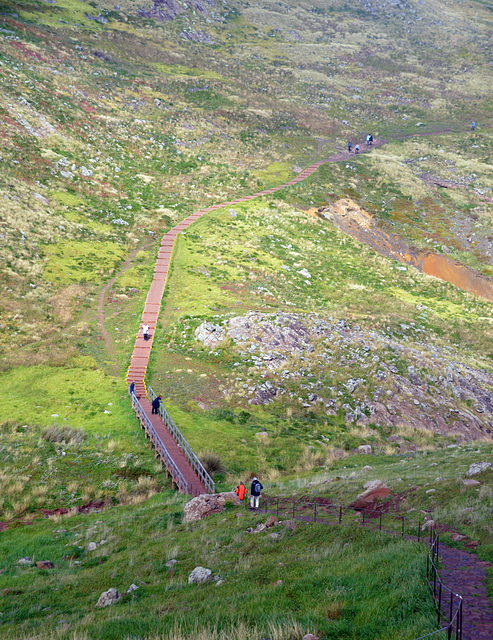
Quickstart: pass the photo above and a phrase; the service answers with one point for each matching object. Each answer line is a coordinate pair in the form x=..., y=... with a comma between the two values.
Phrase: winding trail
x=462, y=571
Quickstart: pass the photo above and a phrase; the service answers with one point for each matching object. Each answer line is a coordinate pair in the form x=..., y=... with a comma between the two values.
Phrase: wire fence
x=448, y=603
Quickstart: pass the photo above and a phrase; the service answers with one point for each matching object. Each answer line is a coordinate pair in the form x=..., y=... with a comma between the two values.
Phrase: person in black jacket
x=155, y=404
x=255, y=490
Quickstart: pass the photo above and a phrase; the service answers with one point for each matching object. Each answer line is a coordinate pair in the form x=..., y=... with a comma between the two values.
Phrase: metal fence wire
x=448, y=603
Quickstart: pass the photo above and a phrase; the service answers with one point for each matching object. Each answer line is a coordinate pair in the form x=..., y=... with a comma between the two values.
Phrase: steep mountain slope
x=119, y=120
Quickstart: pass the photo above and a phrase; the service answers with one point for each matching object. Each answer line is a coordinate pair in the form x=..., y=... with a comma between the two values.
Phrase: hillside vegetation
x=282, y=345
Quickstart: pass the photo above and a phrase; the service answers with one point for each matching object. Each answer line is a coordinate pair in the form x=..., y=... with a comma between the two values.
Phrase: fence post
x=340, y=514
x=449, y=633
x=439, y=602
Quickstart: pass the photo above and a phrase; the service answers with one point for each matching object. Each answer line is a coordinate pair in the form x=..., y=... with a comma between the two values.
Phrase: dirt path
x=465, y=573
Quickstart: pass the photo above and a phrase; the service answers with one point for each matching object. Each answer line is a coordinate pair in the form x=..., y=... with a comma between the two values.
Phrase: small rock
x=274, y=536
x=132, y=587
x=366, y=468
x=199, y=575
x=25, y=560
x=92, y=546
x=470, y=483
x=429, y=524
x=364, y=448
x=310, y=636
x=478, y=467
x=219, y=582
x=171, y=562
x=457, y=537
x=271, y=521
x=260, y=527
x=431, y=491
x=44, y=564
x=108, y=597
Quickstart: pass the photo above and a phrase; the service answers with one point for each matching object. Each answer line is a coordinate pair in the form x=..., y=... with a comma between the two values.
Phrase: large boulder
x=478, y=467
x=206, y=504
x=108, y=597
x=199, y=575
x=373, y=489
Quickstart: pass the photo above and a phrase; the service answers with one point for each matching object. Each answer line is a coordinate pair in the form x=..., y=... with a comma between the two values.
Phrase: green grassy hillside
x=118, y=121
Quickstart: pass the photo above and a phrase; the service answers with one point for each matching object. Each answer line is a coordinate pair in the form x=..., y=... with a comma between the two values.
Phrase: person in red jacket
x=241, y=491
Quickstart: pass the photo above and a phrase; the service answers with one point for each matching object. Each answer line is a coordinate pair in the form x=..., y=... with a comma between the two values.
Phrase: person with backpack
x=241, y=492
x=370, y=139
x=356, y=149
x=145, y=331
x=349, y=145
x=155, y=404
x=473, y=126
x=255, y=490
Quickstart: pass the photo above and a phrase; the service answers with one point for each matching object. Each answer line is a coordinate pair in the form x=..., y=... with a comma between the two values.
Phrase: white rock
x=478, y=467
x=199, y=575
x=132, y=587
x=470, y=483
x=92, y=546
x=108, y=597
x=364, y=448
x=25, y=560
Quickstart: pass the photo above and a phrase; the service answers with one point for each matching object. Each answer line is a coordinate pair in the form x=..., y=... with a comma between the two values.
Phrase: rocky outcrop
x=108, y=598
x=478, y=467
x=206, y=504
x=200, y=575
x=374, y=489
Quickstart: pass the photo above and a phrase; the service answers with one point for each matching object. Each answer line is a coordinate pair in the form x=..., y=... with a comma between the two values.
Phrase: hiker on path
x=132, y=388
x=473, y=126
x=356, y=149
x=368, y=140
x=145, y=331
x=349, y=145
x=371, y=139
x=155, y=404
x=241, y=492
x=255, y=490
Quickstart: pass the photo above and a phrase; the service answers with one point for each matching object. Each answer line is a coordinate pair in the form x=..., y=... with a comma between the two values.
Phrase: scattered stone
x=274, y=536
x=25, y=560
x=457, y=537
x=92, y=546
x=310, y=636
x=472, y=544
x=429, y=524
x=108, y=598
x=271, y=521
x=366, y=468
x=206, y=504
x=430, y=491
x=199, y=575
x=132, y=587
x=171, y=562
x=219, y=582
x=364, y=448
x=44, y=564
x=259, y=528
x=375, y=489
x=470, y=483
x=210, y=334
x=478, y=467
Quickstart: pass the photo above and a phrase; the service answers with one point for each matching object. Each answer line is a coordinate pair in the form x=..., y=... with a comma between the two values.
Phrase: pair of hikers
x=350, y=146
x=255, y=490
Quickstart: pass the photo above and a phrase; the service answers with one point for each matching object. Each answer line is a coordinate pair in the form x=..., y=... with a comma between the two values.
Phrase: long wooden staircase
x=186, y=470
